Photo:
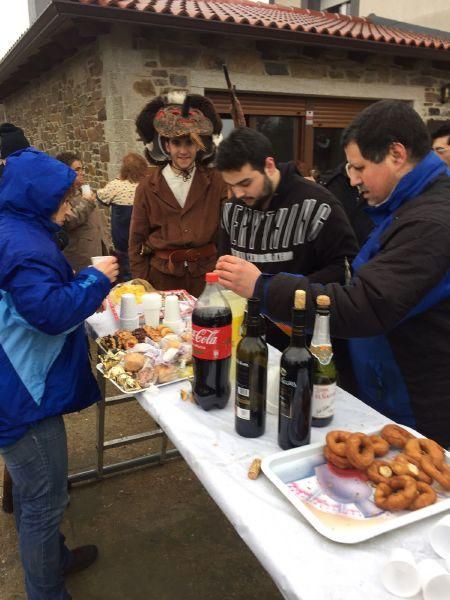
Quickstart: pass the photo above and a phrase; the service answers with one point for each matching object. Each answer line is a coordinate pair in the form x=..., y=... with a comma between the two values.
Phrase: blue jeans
x=38, y=466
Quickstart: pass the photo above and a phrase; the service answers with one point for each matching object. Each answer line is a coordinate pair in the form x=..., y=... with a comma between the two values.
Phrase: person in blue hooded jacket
x=44, y=365
x=396, y=310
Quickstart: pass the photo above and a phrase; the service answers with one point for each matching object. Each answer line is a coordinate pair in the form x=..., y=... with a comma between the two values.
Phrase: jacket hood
x=33, y=185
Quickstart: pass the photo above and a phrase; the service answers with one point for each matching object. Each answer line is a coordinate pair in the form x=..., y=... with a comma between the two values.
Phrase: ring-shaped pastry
x=425, y=496
x=398, y=494
x=380, y=471
x=403, y=465
x=395, y=435
x=336, y=442
x=380, y=445
x=440, y=473
x=335, y=459
x=420, y=447
x=360, y=452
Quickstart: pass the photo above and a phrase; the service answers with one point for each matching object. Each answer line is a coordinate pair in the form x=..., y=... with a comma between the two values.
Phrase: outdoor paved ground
x=160, y=535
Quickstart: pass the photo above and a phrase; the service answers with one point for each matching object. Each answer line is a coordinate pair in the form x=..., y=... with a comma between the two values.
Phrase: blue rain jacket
x=380, y=381
x=44, y=365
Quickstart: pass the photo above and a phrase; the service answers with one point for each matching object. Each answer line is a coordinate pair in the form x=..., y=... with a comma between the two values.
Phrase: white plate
x=127, y=393
x=340, y=508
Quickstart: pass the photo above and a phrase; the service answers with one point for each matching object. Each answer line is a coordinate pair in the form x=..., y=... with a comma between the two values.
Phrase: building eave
x=61, y=13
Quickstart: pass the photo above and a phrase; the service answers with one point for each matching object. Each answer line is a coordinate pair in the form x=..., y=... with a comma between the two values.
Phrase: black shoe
x=82, y=558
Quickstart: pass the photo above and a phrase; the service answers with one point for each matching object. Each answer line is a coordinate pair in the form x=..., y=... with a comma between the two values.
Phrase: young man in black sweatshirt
x=281, y=222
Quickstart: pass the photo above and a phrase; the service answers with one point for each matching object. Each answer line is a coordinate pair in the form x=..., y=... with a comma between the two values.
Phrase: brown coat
x=85, y=233
x=158, y=222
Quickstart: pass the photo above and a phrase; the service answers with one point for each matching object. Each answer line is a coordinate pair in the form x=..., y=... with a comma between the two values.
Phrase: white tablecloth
x=303, y=564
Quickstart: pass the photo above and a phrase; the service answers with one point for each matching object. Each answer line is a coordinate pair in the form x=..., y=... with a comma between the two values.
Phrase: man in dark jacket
x=277, y=219
x=44, y=365
x=397, y=309
x=338, y=183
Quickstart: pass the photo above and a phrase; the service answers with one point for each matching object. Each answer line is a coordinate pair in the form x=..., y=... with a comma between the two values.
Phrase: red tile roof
x=257, y=14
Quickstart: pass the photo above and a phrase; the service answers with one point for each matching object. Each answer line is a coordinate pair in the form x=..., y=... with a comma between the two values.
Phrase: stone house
x=77, y=78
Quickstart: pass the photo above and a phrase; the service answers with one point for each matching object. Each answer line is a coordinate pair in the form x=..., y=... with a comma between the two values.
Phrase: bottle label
x=287, y=393
x=324, y=354
x=243, y=413
x=323, y=400
x=211, y=343
x=243, y=390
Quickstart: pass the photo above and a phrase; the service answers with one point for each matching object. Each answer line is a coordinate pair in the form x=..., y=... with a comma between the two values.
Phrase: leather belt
x=185, y=255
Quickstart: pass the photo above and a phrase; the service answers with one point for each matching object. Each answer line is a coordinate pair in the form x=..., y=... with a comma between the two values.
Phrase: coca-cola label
x=211, y=343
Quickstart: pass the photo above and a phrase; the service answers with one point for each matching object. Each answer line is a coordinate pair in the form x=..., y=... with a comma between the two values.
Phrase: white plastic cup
x=400, y=575
x=86, y=190
x=177, y=326
x=171, y=309
x=128, y=307
x=151, y=304
x=129, y=324
x=435, y=580
x=440, y=537
x=97, y=259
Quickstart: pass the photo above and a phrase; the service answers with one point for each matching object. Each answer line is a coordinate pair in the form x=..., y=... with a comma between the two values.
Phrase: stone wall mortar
x=64, y=110
x=89, y=103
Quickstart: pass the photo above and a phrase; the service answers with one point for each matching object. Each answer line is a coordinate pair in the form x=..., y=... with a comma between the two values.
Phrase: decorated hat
x=178, y=114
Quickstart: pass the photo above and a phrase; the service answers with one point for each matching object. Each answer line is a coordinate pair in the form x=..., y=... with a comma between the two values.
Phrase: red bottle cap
x=211, y=278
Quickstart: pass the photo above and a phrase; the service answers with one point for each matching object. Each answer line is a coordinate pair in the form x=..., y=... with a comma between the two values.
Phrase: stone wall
x=89, y=103
x=64, y=110
x=140, y=63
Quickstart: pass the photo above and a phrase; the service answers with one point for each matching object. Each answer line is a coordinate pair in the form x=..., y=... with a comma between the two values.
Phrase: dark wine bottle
x=251, y=376
x=324, y=369
x=294, y=417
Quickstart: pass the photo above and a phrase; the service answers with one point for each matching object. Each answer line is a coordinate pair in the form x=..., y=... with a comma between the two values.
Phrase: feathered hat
x=175, y=115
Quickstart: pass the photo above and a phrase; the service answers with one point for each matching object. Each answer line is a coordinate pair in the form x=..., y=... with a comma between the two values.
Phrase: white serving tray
x=338, y=507
x=127, y=393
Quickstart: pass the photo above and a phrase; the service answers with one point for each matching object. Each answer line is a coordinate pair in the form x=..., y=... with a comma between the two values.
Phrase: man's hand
x=109, y=267
x=237, y=275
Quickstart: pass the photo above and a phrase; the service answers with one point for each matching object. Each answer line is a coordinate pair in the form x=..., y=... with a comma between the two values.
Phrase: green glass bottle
x=294, y=417
x=251, y=376
x=324, y=370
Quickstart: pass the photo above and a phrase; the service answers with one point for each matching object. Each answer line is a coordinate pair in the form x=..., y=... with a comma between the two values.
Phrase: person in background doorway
x=83, y=224
x=338, y=183
x=119, y=194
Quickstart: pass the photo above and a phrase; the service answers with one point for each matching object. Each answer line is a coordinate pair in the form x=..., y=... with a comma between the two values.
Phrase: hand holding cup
x=109, y=266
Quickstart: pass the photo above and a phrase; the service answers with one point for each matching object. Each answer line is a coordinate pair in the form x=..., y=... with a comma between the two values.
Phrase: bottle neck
x=298, y=337
x=321, y=334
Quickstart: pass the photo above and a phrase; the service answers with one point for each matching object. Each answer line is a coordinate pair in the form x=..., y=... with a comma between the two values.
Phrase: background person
x=441, y=142
x=12, y=139
x=119, y=193
x=176, y=212
x=396, y=311
x=83, y=223
x=44, y=366
x=338, y=183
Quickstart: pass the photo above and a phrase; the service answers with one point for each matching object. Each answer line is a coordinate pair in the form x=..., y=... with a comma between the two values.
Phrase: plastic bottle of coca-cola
x=211, y=346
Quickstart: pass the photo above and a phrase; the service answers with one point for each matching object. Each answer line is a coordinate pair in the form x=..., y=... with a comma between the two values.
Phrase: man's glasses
x=441, y=149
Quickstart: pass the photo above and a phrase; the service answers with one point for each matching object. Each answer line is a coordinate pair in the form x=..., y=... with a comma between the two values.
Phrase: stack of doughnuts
x=402, y=482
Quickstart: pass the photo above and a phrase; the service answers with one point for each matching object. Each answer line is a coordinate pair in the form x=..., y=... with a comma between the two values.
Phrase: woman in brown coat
x=176, y=212
x=83, y=226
